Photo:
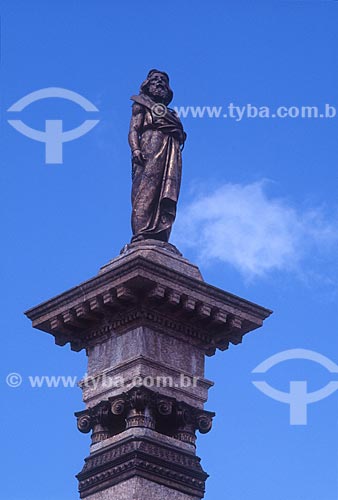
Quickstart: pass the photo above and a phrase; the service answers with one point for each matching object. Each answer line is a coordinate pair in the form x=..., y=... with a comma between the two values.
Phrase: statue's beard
x=158, y=93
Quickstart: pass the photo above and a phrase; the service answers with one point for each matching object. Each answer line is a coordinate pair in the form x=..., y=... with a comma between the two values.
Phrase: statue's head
x=157, y=86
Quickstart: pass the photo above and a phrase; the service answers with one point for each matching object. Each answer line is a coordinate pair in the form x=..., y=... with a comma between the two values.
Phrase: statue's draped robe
x=156, y=183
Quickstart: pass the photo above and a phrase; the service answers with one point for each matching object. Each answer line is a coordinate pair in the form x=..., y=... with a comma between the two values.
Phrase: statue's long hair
x=145, y=85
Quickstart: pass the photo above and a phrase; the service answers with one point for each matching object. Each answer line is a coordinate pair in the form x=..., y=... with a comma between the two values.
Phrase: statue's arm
x=135, y=130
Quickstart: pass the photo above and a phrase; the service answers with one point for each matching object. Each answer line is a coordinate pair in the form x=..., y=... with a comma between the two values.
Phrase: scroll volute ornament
x=84, y=423
x=118, y=407
x=165, y=407
x=204, y=422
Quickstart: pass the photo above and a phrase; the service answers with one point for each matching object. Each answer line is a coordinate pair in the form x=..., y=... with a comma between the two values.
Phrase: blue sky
x=258, y=212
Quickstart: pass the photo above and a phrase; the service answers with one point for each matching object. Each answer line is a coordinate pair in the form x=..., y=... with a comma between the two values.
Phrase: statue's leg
x=145, y=202
x=147, y=186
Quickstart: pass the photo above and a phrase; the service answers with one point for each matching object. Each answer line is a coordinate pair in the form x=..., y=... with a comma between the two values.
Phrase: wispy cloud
x=243, y=226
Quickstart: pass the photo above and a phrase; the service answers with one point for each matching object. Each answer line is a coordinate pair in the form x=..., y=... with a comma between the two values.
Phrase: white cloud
x=242, y=226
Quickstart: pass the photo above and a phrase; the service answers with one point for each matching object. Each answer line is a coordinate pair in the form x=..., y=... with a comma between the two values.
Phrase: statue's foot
x=141, y=242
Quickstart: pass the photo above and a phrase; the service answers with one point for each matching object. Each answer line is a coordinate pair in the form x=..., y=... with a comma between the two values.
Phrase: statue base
x=146, y=321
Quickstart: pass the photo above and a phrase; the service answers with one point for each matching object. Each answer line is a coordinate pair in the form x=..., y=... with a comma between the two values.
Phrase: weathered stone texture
x=138, y=488
x=149, y=343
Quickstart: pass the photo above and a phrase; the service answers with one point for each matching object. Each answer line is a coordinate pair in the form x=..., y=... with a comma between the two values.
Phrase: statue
x=156, y=138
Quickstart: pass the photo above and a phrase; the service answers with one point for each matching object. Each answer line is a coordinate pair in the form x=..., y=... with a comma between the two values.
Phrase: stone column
x=147, y=321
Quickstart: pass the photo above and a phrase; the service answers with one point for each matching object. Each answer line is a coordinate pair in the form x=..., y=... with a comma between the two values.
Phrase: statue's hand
x=137, y=157
x=182, y=137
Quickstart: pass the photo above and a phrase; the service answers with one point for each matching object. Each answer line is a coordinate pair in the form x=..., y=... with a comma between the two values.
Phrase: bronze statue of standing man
x=156, y=138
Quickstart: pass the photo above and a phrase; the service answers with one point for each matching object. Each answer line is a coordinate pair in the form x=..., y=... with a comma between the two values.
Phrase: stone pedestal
x=147, y=321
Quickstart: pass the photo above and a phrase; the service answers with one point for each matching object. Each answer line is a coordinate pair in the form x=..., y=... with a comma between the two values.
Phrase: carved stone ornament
x=141, y=407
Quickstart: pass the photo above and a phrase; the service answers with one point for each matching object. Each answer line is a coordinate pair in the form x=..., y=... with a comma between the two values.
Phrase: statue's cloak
x=156, y=184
